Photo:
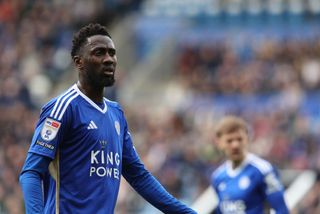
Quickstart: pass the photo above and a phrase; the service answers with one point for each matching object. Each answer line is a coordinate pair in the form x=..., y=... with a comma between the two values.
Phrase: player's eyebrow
x=99, y=47
x=104, y=48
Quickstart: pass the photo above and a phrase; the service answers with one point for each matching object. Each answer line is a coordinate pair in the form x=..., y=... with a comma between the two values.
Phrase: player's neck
x=95, y=94
x=236, y=163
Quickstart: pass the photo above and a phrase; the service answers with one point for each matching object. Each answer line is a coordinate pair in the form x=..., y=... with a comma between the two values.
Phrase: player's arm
x=30, y=179
x=145, y=184
x=274, y=193
x=42, y=151
x=150, y=189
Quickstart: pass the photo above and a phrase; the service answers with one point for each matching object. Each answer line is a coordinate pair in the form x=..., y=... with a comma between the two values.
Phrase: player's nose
x=107, y=59
x=236, y=144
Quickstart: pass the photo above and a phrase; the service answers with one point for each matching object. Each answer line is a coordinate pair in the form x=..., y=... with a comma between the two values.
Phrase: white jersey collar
x=234, y=172
x=93, y=104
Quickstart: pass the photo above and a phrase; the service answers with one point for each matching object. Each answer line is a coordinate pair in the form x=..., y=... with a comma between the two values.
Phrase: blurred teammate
x=82, y=139
x=244, y=182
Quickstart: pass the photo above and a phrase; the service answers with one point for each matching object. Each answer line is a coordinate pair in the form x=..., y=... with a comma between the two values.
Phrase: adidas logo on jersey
x=92, y=125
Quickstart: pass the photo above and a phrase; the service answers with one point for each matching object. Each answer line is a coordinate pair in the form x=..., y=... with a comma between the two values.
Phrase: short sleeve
x=274, y=192
x=272, y=182
x=213, y=180
x=48, y=133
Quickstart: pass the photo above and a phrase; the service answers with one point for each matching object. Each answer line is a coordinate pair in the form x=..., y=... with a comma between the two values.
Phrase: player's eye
x=99, y=52
x=111, y=52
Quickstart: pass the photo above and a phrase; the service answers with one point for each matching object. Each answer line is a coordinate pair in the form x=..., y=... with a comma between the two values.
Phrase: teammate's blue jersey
x=89, y=144
x=247, y=188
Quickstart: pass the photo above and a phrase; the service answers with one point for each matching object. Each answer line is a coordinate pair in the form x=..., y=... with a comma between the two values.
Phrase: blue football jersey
x=246, y=188
x=88, y=144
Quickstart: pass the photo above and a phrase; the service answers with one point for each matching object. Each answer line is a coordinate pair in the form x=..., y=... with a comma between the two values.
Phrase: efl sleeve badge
x=50, y=129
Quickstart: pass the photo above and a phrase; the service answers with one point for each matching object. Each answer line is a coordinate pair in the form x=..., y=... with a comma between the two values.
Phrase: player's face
x=234, y=145
x=99, y=61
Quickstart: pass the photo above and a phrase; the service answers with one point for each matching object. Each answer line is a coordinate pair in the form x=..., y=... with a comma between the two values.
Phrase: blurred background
x=182, y=65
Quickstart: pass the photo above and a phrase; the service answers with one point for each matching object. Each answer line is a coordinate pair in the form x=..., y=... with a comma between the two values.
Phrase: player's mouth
x=108, y=72
x=236, y=152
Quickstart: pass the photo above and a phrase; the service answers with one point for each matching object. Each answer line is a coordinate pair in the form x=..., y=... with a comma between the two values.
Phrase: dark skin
x=96, y=63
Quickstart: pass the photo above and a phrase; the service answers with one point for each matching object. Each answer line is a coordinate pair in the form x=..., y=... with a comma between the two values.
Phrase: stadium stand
x=35, y=42
x=193, y=65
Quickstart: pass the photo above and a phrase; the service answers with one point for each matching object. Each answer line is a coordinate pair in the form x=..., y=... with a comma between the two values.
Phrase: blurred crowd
x=271, y=66
x=35, y=42
x=275, y=84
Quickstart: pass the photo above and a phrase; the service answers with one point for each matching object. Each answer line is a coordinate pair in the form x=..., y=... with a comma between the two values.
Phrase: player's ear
x=220, y=146
x=218, y=143
x=78, y=61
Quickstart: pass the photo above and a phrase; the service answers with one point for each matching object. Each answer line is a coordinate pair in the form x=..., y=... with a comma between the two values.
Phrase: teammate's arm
x=277, y=202
x=30, y=180
x=274, y=192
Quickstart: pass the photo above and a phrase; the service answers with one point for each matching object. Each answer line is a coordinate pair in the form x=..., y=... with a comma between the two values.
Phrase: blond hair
x=229, y=124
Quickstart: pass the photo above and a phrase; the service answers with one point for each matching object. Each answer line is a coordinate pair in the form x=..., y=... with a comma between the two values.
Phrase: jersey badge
x=273, y=184
x=222, y=186
x=244, y=182
x=50, y=129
